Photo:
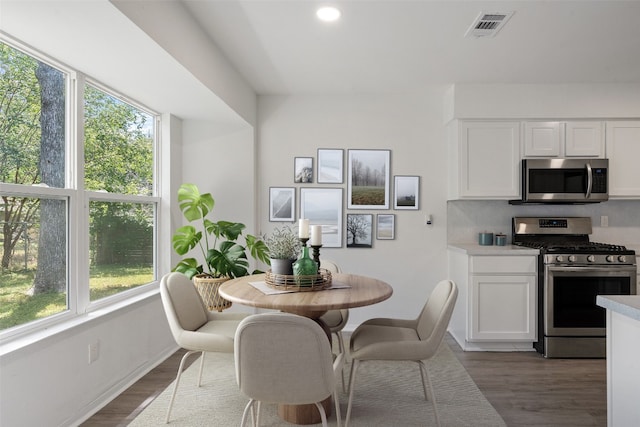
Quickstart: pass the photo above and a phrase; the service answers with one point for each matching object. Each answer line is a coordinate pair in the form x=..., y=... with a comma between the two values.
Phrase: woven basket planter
x=208, y=289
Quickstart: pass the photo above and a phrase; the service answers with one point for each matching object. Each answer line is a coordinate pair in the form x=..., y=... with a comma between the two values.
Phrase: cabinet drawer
x=503, y=264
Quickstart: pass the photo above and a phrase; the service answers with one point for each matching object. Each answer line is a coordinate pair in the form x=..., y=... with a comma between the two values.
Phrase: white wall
x=411, y=127
x=51, y=383
x=551, y=101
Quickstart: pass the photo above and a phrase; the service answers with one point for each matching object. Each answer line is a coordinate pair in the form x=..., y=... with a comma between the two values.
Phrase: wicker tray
x=294, y=283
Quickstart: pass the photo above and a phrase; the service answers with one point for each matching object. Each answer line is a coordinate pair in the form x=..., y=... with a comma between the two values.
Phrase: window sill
x=41, y=336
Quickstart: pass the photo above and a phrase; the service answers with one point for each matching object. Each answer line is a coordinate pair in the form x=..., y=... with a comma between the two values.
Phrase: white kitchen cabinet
x=485, y=159
x=584, y=139
x=542, y=139
x=623, y=152
x=563, y=139
x=497, y=302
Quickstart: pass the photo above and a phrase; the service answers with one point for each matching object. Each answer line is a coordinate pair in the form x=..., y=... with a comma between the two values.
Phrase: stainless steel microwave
x=565, y=180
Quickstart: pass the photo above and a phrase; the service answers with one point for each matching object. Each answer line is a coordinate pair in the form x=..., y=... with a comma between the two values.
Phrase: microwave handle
x=589, y=181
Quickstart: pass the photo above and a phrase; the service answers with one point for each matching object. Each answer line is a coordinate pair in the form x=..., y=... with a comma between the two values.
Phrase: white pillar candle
x=303, y=228
x=316, y=235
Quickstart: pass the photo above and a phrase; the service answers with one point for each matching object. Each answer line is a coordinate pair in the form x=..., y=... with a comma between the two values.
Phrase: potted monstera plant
x=284, y=248
x=218, y=243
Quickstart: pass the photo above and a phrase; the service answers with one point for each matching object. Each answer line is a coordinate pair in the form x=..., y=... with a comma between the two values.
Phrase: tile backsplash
x=467, y=218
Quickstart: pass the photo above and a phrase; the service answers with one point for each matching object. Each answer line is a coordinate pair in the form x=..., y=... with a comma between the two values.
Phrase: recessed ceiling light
x=328, y=14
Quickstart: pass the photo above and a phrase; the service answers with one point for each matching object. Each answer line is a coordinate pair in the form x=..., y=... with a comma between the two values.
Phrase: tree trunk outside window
x=52, y=253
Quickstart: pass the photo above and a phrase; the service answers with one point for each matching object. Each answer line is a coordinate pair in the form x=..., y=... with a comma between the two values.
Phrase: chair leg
x=341, y=349
x=175, y=387
x=323, y=414
x=246, y=411
x=338, y=415
x=423, y=369
x=426, y=376
x=200, y=370
x=352, y=385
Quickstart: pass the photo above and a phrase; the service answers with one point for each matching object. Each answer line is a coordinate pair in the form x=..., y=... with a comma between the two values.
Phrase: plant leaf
x=258, y=248
x=193, y=204
x=189, y=267
x=227, y=229
x=229, y=260
x=185, y=239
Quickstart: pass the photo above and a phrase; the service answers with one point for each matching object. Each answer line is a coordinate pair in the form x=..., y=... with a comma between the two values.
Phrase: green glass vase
x=305, y=266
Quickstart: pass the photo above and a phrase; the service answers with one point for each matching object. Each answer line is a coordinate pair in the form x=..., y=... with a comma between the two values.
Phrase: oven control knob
x=622, y=258
x=560, y=258
x=609, y=258
x=572, y=258
x=591, y=258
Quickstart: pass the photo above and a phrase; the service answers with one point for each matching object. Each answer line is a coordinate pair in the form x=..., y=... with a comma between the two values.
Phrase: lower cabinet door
x=502, y=308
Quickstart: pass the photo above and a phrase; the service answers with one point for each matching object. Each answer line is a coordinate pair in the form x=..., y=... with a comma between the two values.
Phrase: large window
x=78, y=202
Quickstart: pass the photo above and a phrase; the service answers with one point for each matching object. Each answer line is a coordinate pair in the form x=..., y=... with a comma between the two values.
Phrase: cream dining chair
x=193, y=327
x=285, y=358
x=336, y=320
x=405, y=339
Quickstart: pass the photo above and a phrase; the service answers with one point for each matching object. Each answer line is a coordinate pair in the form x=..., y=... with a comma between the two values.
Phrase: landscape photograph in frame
x=330, y=166
x=323, y=206
x=368, y=179
x=385, y=227
x=406, y=192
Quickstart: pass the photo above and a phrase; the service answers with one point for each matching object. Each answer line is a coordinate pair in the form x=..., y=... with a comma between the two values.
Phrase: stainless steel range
x=572, y=271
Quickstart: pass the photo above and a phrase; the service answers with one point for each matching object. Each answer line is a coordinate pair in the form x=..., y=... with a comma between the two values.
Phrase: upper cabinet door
x=623, y=152
x=489, y=160
x=542, y=139
x=584, y=139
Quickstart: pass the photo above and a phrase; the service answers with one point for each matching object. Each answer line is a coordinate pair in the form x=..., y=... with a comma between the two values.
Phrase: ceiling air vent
x=488, y=24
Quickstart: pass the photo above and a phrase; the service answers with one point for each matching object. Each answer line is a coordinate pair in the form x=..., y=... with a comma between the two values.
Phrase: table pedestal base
x=304, y=414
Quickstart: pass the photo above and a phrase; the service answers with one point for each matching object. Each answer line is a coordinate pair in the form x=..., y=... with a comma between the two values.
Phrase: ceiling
x=280, y=47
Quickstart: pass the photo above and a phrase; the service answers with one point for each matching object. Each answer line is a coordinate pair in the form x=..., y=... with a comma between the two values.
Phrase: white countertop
x=476, y=249
x=628, y=305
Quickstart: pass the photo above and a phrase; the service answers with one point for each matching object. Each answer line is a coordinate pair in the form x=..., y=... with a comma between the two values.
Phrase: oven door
x=570, y=293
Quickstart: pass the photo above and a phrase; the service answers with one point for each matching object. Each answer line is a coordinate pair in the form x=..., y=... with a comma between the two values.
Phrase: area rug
x=386, y=394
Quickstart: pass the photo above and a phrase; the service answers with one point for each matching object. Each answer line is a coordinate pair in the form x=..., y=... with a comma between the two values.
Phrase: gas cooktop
x=568, y=235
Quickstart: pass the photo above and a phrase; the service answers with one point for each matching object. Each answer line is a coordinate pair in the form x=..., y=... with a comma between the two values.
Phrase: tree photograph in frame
x=282, y=204
x=406, y=192
x=359, y=230
x=330, y=169
x=323, y=206
x=385, y=227
x=368, y=179
x=303, y=170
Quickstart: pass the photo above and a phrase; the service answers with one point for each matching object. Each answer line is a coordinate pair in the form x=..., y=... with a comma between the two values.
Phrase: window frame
x=78, y=199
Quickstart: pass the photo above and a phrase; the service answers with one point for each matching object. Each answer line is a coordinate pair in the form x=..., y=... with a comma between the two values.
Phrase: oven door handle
x=589, y=181
x=630, y=269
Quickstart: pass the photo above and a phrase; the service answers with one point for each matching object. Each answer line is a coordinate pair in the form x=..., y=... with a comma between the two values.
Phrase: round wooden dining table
x=346, y=291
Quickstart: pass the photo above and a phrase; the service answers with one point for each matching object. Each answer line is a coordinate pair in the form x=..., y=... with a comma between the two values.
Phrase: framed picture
x=282, y=204
x=368, y=179
x=303, y=170
x=359, y=230
x=330, y=163
x=406, y=192
x=323, y=206
x=385, y=227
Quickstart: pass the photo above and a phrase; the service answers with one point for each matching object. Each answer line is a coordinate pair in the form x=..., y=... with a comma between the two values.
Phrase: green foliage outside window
x=118, y=152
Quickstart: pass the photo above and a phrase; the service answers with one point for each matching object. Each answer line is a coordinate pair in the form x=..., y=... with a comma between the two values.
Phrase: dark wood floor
x=525, y=388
